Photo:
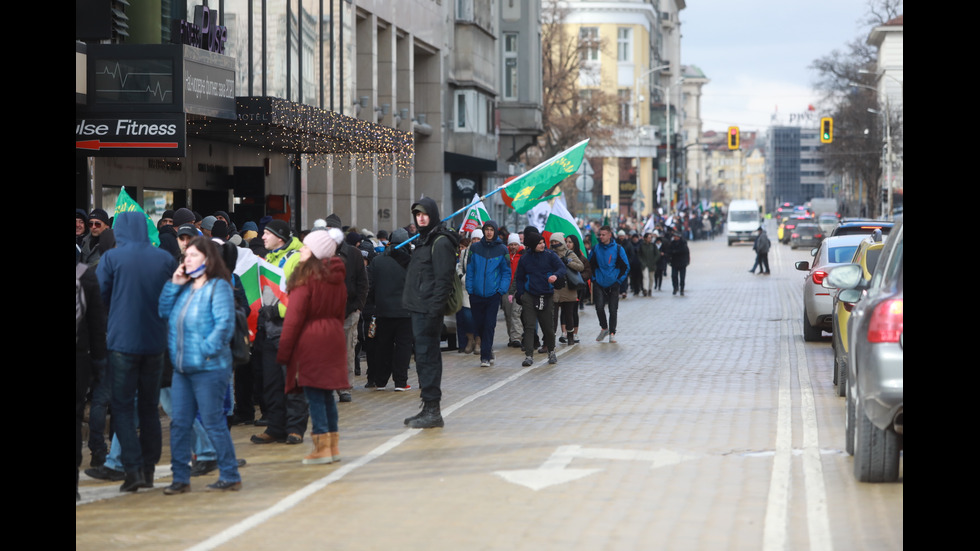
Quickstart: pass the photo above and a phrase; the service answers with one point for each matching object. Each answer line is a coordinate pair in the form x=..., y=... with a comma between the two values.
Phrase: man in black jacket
x=428, y=285
x=357, y=291
x=393, y=336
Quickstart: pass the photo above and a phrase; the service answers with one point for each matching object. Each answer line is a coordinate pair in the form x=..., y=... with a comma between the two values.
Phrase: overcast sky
x=757, y=53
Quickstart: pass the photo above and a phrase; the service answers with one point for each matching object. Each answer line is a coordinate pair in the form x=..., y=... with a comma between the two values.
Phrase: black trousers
x=392, y=345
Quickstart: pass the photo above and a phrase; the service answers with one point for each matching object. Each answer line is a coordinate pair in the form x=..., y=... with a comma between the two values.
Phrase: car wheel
x=848, y=422
x=876, y=452
x=810, y=333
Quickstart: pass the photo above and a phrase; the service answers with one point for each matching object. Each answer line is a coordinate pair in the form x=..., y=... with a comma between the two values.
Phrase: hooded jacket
x=534, y=269
x=488, y=269
x=609, y=264
x=131, y=276
x=428, y=281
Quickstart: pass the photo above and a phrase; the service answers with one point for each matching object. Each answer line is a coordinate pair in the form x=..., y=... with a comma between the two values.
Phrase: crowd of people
x=156, y=326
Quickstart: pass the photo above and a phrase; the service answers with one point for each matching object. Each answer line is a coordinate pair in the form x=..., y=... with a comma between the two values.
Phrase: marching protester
x=537, y=273
x=487, y=280
x=610, y=269
x=566, y=298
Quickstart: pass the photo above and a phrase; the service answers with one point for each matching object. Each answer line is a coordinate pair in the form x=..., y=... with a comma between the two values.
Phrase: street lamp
x=638, y=98
x=666, y=91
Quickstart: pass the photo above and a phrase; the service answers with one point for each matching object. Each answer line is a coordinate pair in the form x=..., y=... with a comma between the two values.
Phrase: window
x=625, y=99
x=588, y=38
x=624, y=44
x=460, y=110
x=510, y=66
x=584, y=101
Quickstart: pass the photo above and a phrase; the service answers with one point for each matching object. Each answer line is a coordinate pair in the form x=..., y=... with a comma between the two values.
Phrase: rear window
x=841, y=254
x=872, y=259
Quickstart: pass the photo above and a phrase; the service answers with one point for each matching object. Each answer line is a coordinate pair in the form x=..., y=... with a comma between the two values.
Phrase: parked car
x=875, y=406
x=862, y=227
x=866, y=256
x=787, y=227
x=818, y=302
x=805, y=235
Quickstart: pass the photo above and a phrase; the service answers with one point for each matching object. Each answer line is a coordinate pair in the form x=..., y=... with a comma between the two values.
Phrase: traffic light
x=826, y=130
x=733, y=138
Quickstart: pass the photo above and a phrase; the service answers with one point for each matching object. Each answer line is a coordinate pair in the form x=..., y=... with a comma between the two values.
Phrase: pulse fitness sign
x=138, y=96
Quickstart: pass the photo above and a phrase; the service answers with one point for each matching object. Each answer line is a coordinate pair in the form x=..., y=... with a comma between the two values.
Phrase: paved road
x=710, y=425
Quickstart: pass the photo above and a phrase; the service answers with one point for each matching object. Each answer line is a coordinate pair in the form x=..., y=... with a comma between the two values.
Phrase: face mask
x=198, y=272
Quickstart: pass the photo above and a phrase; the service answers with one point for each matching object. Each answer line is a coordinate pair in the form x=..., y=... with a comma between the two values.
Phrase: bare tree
x=570, y=113
x=847, y=79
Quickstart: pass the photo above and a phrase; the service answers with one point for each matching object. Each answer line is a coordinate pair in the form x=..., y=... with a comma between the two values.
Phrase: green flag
x=125, y=203
x=526, y=190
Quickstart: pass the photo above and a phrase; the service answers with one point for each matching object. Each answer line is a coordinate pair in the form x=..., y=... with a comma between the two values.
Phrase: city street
x=709, y=425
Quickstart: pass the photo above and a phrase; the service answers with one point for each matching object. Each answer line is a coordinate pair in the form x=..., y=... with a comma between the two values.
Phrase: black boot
x=134, y=481
x=148, y=471
x=430, y=417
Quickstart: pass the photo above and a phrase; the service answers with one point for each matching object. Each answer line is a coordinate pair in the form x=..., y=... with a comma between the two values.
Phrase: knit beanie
x=321, y=244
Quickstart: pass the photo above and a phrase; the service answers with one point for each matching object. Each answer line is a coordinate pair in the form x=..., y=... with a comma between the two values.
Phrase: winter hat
x=513, y=238
x=558, y=236
x=167, y=214
x=353, y=237
x=99, y=214
x=319, y=223
x=278, y=228
x=321, y=244
x=250, y=226
x=222, y=214
x=399, y=236
x=333, y=221
x=531, y=240
x=208, y=222
x=476, y=234
x=183, y=216
x=219, y=229
x=336, y=234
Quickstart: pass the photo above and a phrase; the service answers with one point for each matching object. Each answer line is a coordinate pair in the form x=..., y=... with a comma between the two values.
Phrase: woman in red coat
x=312, y=344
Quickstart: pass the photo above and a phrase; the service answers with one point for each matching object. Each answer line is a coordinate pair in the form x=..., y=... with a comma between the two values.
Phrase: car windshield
x=743, y=216
x=841, y=254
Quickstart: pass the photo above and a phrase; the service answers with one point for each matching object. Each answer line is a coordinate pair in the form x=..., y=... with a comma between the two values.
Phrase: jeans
x=101, y=394
x=427, y=329
x=203, y=449
x=677, y=277
x=137, y=376
x=202, y=392
x=323, y=410
x=484, y=311
x=602, y=296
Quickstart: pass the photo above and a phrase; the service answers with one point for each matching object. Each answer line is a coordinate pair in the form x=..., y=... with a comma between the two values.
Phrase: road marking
x=554, y=470
x=298, y=496
x=777, y=504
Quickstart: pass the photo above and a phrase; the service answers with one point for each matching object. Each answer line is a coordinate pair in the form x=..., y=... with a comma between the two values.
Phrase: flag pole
x=477, y=198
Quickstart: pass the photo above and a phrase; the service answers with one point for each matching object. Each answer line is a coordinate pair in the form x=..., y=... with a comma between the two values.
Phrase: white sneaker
x=612, y=338
x=485, y=363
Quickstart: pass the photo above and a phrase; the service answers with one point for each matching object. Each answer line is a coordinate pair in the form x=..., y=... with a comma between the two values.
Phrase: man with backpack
x=610, y=268
x=428, y=287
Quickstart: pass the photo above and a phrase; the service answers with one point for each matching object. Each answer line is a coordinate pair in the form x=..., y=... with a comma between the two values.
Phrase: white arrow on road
x=554, y=470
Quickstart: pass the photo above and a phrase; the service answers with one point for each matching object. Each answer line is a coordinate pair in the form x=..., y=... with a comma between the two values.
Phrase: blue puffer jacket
x=609, y=264
x=488, y=267
x=201, y=323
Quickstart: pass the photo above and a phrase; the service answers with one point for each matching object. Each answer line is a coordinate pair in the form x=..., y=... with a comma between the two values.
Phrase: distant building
x=794, y=166
x=889, y=39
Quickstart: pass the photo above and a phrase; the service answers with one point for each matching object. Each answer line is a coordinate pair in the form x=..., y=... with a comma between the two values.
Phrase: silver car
x=875, y=410
x=818, y=301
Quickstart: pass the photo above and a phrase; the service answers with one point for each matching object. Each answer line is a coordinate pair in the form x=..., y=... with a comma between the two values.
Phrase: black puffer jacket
x=428, y=282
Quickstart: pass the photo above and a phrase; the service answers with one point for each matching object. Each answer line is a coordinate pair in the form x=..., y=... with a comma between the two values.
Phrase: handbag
x=574, y=278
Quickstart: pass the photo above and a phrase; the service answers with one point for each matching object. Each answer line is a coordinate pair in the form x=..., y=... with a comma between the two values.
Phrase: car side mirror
x=849, y=296
x=848, y=276
x=803, y=266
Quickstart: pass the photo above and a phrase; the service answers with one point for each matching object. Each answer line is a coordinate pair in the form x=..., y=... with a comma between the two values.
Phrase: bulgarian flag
x=264, y=284
x=560, y=220
x=475, y=217
x=522, y=192
x=125, y=203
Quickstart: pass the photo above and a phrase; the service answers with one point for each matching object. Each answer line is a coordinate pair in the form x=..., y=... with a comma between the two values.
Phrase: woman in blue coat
x=199, y=304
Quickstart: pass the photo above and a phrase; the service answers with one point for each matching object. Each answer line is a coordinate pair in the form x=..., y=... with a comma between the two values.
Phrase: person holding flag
x=487, y=280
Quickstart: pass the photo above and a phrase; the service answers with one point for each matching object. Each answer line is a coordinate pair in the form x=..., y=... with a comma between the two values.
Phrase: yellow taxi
x=866, y=255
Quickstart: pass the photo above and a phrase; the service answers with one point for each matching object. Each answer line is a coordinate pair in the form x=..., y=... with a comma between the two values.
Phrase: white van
x=743, y=220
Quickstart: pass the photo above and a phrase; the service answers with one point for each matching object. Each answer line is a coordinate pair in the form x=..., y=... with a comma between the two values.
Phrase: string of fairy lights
x=274, y=125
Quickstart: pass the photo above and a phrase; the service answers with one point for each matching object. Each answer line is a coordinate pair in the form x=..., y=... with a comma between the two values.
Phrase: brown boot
x=321, y=450
x=470, y=344
x=476, y=347
x=334, y=445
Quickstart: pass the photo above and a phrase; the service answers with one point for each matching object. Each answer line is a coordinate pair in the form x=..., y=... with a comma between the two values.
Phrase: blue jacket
x=130, y=278
x=488, y=268
x=609, y=264
x=533, y=271
x=201, y=323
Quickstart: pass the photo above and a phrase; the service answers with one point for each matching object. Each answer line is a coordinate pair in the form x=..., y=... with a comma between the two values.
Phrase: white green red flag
x=475, y=217
x=264, y=284
x=523, y=192
x=560, y=220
